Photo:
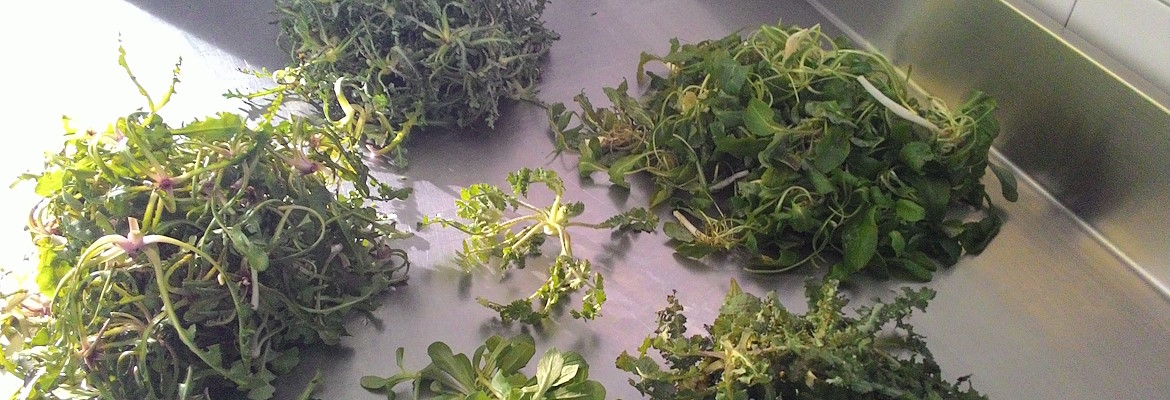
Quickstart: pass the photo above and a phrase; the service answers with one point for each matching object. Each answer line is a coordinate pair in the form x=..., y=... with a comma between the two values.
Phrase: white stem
x=729, y=180
x=255, y=289
x=343, y=102
x=686, y=223
x=895, y=107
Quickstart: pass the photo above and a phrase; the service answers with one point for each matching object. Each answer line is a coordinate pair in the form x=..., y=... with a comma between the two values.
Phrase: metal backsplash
x=1078, y=129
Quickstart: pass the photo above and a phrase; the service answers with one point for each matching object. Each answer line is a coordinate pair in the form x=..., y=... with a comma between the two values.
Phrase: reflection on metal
x=1083, y=133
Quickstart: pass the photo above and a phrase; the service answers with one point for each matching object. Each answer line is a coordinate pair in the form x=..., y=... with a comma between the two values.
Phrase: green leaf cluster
x=494, y=372
x=194, y=262
x=487, y=215
x=434, y=62
x=757, y=349
x=797, y=149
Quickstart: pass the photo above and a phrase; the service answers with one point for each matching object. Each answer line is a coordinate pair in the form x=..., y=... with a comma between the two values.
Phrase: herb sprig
x=757, y=349
x=193, y=262
x=511, y=240
x=395, y=65
x=494, y=372
x=798, y=150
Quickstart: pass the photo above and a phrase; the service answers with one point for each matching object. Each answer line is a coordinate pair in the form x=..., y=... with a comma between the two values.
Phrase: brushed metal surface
x=1076, y=125
x=1046, y=312
x=1058, y=10
x=1135, y=32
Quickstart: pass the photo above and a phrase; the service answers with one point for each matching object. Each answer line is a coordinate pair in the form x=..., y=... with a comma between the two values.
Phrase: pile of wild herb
x=494, y=372
x=756, y=349
x=428, y=62
x=511, y=239
x=193, y=262
x=798, y=150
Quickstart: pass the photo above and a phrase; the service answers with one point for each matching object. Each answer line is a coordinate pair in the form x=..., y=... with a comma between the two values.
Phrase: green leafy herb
x=493, y=372
x=798, y=150
x=756, y=349
x=430, y=62
x=193, y=262
x=493, y=235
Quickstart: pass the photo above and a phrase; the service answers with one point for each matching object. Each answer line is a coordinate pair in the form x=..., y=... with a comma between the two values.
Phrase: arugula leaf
x=185, y=261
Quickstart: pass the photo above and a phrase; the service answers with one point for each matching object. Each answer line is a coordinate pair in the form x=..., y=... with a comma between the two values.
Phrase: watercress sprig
x=798, y=150
x=494, y=233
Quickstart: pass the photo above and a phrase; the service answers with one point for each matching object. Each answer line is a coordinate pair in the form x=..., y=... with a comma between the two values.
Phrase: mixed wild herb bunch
x=506, y=227
x=757, y=349
x=797, y=150
x=192, y=262
x=494, y=372
x=413, y=62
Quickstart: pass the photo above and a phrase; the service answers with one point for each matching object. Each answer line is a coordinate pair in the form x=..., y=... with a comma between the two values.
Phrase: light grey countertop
x=1046, y=312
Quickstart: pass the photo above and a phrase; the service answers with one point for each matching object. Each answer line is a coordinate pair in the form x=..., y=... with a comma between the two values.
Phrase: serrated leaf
x=222, y=127
x=635, y=219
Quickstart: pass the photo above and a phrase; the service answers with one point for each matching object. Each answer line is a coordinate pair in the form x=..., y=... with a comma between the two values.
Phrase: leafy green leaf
x=909, y=211
x=256, y=256
x=860, y=238
x=512, y=240
x=50, y=268
x=185, y=210
x=1007, y=182
x=559, y=375
x=916, y=154
x=223, y=127
x=675, y=230
x=457, y=367
x=818, y=148
x=622, y=167
x=758, y=118
x=50, y=183
x=374, y=382
x=897, y=242
x=636, y=219
x=756, y=346
x=832, y=150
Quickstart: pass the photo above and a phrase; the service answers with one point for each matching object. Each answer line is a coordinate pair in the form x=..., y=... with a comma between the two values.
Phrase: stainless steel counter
x=1046, y=312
